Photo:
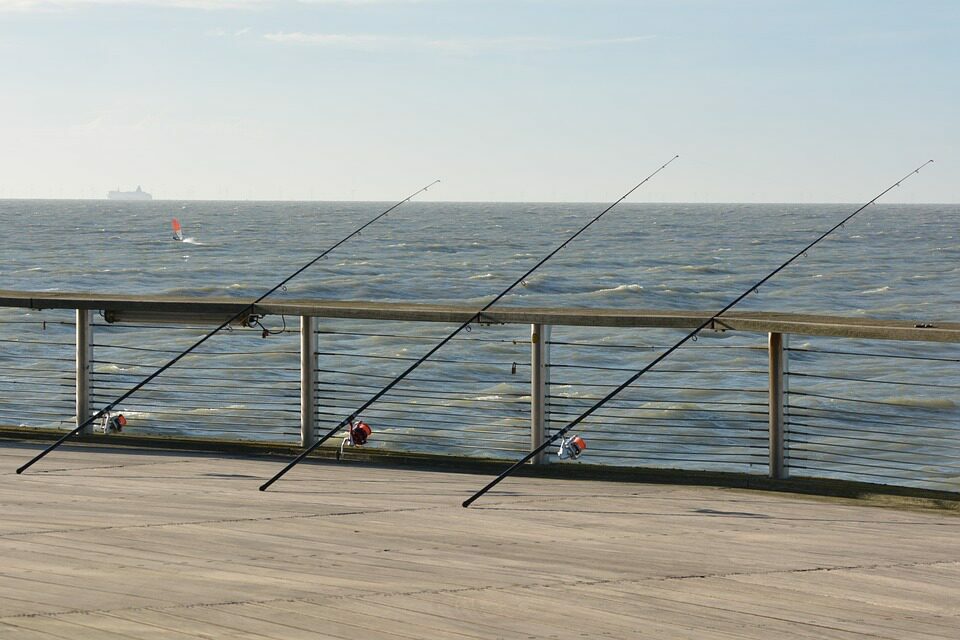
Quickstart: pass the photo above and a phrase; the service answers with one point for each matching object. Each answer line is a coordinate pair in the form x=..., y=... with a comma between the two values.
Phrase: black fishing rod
x=244, y=312
x=476, y=316
x=689, y=336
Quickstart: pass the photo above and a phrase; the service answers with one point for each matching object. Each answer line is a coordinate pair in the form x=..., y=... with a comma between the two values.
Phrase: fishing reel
x=357, y=436
x=113, y=424
x=571, y=448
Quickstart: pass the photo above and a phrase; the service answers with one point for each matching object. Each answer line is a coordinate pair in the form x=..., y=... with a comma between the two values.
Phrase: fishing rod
x=244, y=312
x=476, y=316
x=681, y=342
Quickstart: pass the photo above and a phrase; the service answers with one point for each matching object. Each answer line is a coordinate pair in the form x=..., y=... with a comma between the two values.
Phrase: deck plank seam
x=478, y=589
x=186, y=523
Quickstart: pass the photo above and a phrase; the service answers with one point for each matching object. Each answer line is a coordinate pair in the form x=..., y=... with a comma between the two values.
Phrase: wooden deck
x=99, y=543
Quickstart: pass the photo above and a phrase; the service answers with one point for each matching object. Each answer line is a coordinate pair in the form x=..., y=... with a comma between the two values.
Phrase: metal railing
x=37, y=368
x=705, y=408
x=237, y=386
x=876, y=412
x=775, y=394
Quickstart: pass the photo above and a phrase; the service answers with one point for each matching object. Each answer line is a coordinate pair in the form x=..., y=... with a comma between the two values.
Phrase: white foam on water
x=635, y=288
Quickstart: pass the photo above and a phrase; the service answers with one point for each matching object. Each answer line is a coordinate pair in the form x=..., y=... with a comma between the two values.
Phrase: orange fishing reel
x=571, y=448
x=113, y=424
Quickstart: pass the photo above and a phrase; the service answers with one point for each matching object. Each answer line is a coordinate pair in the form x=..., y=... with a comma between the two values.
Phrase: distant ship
x=139, y=194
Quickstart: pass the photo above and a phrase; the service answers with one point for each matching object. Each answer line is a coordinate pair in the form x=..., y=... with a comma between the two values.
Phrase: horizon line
x=166, y=200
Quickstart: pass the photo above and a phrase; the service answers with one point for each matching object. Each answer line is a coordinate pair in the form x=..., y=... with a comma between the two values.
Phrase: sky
x=502, y=100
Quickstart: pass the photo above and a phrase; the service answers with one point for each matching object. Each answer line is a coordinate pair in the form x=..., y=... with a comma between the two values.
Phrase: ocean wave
x=922, y=403
x=877, y=290
x=211, y=411
x=481, y=276
x=633, y=288
x=702, y=268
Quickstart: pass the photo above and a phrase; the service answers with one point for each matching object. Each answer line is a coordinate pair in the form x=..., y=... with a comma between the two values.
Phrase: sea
x=892, y=261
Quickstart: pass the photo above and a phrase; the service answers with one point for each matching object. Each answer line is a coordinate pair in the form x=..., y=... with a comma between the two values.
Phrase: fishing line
x=255, y=321
x=692, y=336
x=226, y=325
x=465, y=326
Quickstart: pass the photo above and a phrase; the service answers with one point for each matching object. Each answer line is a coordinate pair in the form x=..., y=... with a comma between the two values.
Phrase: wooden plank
x=814, y=612
x=107, y=546
x=13, y=632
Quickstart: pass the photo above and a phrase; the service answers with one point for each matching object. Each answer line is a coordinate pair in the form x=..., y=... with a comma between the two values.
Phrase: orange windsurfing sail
x=177, y=232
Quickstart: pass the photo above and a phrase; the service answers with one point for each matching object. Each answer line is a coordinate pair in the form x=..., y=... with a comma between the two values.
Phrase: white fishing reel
x=357, y=436
x=571, y=448
x=113, y=423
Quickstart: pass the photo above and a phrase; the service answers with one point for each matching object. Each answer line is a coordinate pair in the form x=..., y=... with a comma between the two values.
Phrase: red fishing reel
x=359, y=433
x=357, y=436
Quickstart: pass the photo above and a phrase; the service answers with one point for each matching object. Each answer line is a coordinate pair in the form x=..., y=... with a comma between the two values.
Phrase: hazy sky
x=764, y=100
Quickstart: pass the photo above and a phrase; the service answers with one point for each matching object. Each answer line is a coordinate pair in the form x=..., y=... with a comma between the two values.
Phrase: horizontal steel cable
x=176, y=388
x=863, y=473
x=410, y=379
x=427, y=410
x=807, y=394
x=369, y=356
x=837, y=423
x=704, y=372
x=876, y=355
x=465, y=395
x=203, y=354
x=797, y=409
x=913, y=440
x=929, y=385
x=457, y=340
x=867, y=462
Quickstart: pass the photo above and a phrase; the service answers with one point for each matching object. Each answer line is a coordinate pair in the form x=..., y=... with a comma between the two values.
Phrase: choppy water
x=893, y=261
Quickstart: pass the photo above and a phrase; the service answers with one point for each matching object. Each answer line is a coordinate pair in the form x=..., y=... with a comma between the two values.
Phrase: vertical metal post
x=539, y=386
x=84, y=385
x=308, y=380
x=777, y=354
